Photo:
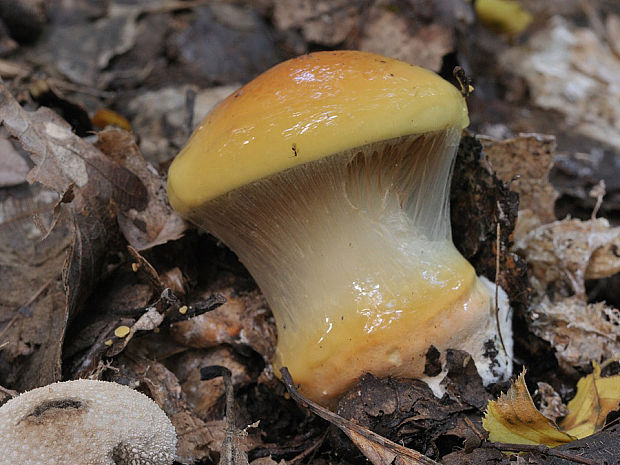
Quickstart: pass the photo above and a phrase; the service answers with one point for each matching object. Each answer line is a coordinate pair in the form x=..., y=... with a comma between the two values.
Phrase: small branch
x=229, y=453
x=539, y=449
x=176, y=312
x=190, y=103
x=497, y=264
x=309, y=450
x=145, y=270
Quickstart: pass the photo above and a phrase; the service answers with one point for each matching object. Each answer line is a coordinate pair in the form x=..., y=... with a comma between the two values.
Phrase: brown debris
x=560, y=253
x=205, y=40
x=161, y=116
x=204, y=396
x=163, y=65
x=198, y=440
x=407, y=412
x=377, y=27
x=551, y=405
x=560, y=256
x=81, y=51
x=524, y=163
x=488, y=202
x=376, y=448
x=157, y=223
x=324, y=22
x=99, y=189
x=604, y=261
x=14, y=167
x=571, y=70
x=243, y=319
x=390, y=34
x=578, y=331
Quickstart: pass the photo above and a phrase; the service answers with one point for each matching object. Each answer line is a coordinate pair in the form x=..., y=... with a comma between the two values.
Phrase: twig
x=347, y=425
x=475, y=429
x=309, y=450
x=68, y=86
x=176, y=312
x=497, y=252
x=229, y=453
x=190, y=103
x=141, y=265
x=174, y=5
x=8, y=392
x=540, y=449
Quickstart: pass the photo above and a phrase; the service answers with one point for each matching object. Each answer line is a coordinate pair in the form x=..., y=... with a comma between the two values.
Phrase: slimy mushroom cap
x=87, y=422
x=305, y=109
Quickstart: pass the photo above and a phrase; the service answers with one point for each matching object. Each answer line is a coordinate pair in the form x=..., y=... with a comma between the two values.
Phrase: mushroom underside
x=354, y=255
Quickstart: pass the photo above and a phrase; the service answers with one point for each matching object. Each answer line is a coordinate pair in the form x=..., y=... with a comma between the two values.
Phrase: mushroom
x=328, y=175
x=87, y=422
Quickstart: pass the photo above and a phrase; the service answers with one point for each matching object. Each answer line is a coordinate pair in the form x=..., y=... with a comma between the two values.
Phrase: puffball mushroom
x=87, y=422
x=328, y=176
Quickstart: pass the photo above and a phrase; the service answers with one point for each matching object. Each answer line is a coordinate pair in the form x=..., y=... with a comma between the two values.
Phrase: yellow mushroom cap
x=305, y=109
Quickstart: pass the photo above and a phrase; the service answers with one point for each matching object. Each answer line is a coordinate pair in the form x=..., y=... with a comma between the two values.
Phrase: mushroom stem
x=354, y=255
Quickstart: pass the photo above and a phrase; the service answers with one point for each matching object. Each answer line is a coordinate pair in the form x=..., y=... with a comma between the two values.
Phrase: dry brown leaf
x=377, y=453
x=92, y=189
x=370, y=26
x=561, y=256
x=560, y=253
x=32, y=299
x=220, y=42
x=578, y=331
x=157, y=223
x=613, y=32
x=82, y=51
x=14, y=168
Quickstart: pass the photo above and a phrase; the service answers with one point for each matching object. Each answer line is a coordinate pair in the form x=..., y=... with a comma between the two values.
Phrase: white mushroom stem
x=86, y=422
x=354, y=255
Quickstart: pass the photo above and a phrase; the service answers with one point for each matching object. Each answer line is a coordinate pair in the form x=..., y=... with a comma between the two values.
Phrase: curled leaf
x=514, y=419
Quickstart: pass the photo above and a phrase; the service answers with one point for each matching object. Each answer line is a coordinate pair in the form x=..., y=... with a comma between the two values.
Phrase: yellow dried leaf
x=596, y=398
x=514, y=419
